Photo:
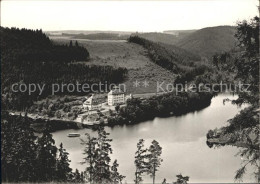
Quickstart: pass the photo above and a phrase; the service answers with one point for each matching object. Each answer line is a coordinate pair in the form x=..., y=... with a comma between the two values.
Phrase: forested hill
x=170, y=57
x=188, y=66
x=204, y=42
x=209, y=41
x=159, y=37
x=32, y=45
x=30, y=57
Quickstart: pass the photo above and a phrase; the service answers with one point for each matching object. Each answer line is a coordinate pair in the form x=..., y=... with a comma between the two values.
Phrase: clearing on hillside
x=119, y=53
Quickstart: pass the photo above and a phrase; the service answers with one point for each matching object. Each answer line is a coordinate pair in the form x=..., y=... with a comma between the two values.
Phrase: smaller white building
x=115, y=96
x=92, y=103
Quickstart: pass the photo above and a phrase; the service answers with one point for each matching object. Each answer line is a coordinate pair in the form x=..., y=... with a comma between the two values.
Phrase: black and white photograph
x=130, y=91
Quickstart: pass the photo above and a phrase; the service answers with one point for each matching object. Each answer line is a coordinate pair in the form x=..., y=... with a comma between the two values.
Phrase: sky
x=141, y=16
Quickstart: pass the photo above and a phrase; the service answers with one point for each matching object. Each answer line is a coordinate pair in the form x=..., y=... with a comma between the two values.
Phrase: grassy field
x=128, y=55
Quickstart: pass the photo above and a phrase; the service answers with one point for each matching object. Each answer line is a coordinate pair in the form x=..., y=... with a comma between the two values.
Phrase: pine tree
x=89, y=151
x=63, y=167
x=71, y=44
x=77, y=178
x=140, y=161
x=115, y=176
x=102, y=158
x=26, y=142
x=154, y=160
x=243, y=130
x=97, y=151
x=46, y=157
x=76, y=44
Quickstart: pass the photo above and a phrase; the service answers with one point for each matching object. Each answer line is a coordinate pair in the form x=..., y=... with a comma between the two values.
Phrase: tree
x=115, y=176
x=26, y=142
x=97, y=151
x=90, y=152
x=247, y=63
x=76, y=44
x=58, y=114
x=77, y=177
x=102, y=157
x=63, y=168
x=243, y=130
x=154, y=160
x=97, y=155
x=164, y=181
x=117, y=107
x=46, y=157
x=17, y=149
x=182, y=179
x=71, y=44
x=140, y=161
x=27, y=158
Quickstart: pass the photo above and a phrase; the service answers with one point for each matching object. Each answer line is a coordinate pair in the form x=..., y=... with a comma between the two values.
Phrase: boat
x=73, y=135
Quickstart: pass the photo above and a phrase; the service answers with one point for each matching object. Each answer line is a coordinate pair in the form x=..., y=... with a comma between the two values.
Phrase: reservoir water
x=183, y=142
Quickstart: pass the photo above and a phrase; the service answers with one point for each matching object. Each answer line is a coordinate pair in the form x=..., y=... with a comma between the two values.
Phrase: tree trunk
x=153, y=173
x=136, y=182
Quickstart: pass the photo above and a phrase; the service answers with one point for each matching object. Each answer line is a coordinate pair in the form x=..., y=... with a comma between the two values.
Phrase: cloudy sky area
x=125, y=15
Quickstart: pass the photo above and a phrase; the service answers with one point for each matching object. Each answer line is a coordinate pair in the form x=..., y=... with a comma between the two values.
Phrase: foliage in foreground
x=243, y=130
x=147, y=160
x=29, y=158
x=97, y=156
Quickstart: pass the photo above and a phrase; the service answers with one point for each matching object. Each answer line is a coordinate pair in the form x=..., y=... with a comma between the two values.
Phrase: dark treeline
x=29, y=158
x=21, y=46
x=29, y=57
x=165, y=105
x=191, y=74
x=50, y=74
x=167, y=56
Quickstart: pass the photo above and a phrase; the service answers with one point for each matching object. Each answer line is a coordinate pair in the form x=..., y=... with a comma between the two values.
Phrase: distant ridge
x=159, y=37
x=204, y=42
x=86, y=32
x=179, y=32
x=208, y=41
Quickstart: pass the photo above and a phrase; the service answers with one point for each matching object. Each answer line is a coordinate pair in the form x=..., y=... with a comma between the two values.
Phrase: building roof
x=116, y=91
x=93, y=100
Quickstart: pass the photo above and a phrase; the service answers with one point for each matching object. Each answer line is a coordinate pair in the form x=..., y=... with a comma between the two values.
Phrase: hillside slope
x=168, y=37
x=208, y=41
x=133, y=57
x=205, y=42
x=170, y=57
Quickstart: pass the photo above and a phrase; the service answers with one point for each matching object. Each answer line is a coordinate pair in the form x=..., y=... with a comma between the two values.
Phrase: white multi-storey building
x=115, y=96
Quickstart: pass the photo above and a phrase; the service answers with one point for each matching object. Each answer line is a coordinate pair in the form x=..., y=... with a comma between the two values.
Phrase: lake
x=183, y=142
